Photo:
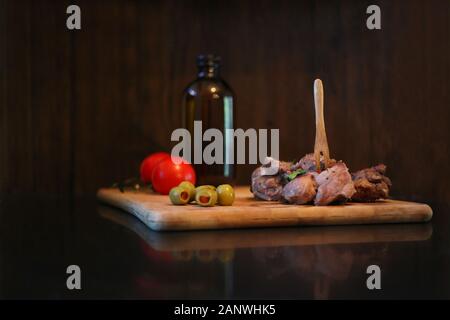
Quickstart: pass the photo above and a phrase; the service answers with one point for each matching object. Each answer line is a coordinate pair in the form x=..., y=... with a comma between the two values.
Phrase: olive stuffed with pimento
x=204, y=196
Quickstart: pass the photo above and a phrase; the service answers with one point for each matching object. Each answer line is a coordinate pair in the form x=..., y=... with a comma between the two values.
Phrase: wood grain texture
x=35, y=106
x=159, y=214
x=3, y=150
x=80, y=109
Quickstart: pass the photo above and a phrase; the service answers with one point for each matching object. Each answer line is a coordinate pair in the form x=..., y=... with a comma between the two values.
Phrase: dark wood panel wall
x=80, y=109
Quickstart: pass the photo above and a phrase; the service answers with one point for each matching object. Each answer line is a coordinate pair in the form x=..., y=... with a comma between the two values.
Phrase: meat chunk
x=301, y=190
x=266, y=187
x=335, y=185
x=308, y=163
x=371, y=184
x=269, y=187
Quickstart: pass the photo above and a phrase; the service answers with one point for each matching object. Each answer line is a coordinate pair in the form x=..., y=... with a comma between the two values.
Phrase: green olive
x=206, y=197
x=225, y=195
x=179, y=195
x=206, y=186
x=190, y=187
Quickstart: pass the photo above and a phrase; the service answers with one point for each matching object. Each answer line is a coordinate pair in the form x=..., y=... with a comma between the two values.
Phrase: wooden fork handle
x=321, y=144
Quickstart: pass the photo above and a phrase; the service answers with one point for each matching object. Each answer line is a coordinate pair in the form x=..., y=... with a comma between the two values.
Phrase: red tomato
x=150, y=163
x=168, y=174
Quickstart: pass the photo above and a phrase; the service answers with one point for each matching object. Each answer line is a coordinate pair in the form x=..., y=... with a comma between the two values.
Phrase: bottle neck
x=208, y=72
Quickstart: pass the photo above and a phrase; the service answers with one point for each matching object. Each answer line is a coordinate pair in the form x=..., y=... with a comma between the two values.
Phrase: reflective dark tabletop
x=120, y=258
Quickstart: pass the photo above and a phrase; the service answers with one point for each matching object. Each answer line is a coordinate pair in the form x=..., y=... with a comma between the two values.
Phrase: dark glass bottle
x=209, y=99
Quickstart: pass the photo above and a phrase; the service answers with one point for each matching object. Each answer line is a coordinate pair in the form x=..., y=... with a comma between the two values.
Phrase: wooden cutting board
x=159, y=214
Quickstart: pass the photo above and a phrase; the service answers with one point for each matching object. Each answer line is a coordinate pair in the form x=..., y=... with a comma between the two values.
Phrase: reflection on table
x=215, y=262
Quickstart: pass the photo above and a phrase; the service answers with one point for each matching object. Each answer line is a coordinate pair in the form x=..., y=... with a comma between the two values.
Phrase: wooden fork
x=321, y=144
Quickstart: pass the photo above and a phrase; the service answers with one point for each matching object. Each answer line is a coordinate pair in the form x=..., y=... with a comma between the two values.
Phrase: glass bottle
x=209, y=99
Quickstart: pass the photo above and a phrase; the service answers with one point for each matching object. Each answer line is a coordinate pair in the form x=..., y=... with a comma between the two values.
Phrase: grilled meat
x=301, y=190
x=308, y=163
x=266, y=187
x=335, y=185
x=371, y=184
x=269, y=187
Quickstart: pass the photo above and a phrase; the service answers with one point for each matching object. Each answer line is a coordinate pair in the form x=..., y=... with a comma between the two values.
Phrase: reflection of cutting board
x=269, y=237
x=158, y=213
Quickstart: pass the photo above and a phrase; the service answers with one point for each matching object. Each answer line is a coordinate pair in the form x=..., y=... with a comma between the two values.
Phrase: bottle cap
x=208, y=60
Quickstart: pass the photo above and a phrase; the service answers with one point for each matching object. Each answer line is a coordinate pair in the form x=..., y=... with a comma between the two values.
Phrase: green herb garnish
x=133, y=184
x=291, y=176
